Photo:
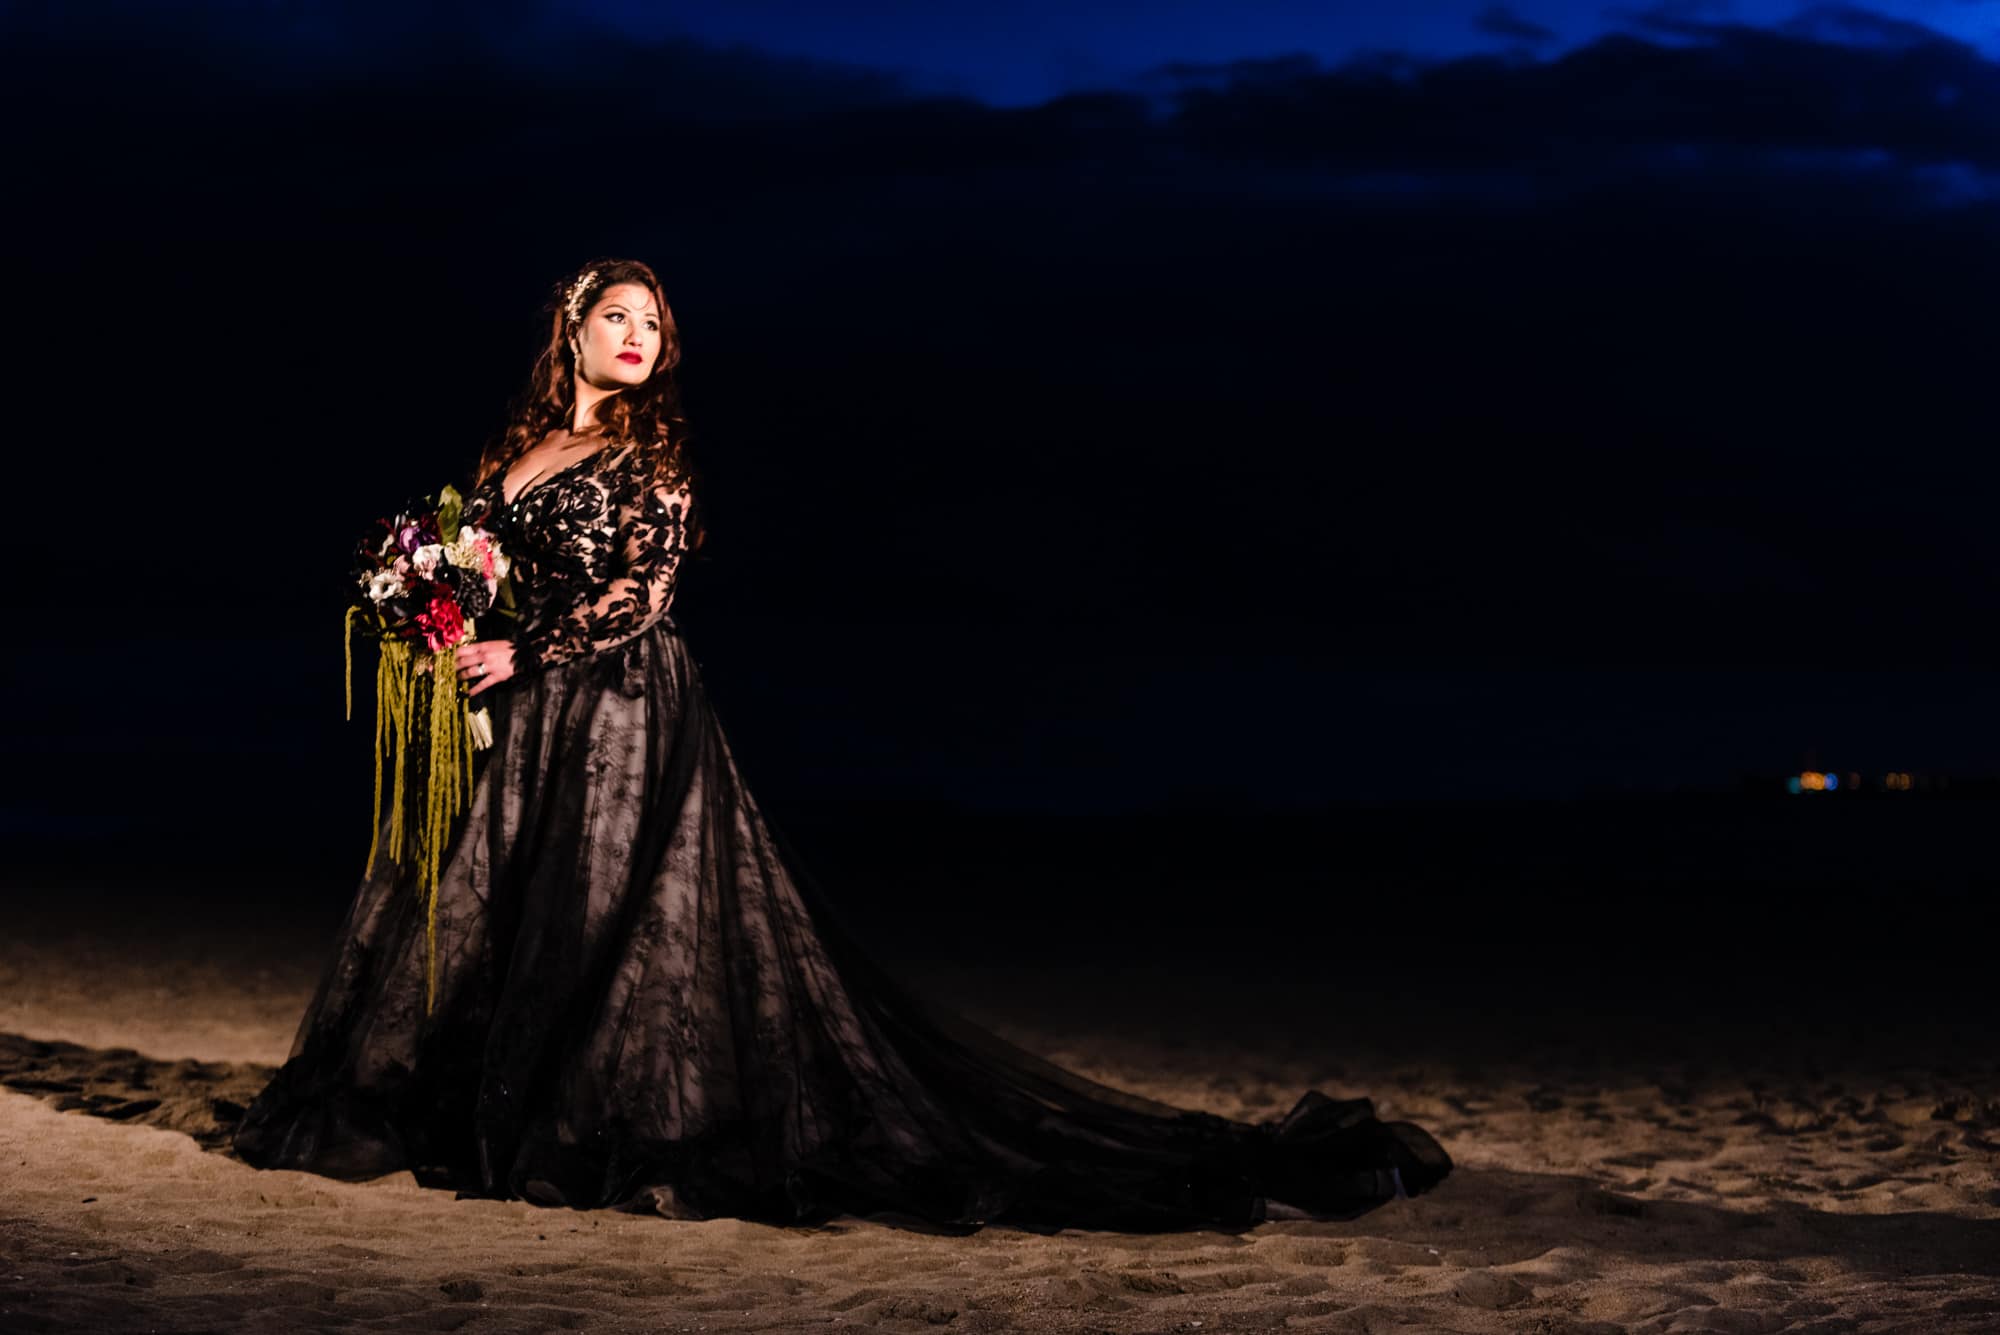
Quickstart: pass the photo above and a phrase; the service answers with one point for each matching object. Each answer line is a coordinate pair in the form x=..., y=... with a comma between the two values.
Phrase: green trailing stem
x=423, y=730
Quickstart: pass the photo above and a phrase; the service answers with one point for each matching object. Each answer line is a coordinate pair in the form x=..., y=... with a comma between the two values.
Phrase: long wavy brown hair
x=647, y=414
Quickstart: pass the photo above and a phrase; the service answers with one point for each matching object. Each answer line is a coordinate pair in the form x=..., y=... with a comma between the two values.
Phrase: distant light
x=1832, y=782
x=1792, y=784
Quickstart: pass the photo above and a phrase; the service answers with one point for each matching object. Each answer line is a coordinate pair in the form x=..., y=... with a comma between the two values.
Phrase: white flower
x=475, y=549
x=464, y=550
x=426, y=558
x=384, y=584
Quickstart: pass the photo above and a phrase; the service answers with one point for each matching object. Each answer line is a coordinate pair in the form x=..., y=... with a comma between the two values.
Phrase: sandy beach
x=1611, y=1178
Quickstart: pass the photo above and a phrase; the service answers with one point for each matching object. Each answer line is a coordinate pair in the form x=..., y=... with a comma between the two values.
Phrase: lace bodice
x=596, y=551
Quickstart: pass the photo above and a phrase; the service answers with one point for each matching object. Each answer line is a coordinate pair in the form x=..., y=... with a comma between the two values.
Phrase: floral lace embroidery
x=596, y=550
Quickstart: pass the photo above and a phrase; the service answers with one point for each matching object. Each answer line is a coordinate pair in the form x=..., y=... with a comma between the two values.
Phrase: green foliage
x=450, y=507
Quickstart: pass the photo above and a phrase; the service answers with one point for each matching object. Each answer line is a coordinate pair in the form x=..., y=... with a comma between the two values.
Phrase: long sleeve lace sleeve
x=652, y=540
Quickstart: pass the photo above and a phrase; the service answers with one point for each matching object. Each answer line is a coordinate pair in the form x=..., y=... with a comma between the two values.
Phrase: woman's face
x=620, y=337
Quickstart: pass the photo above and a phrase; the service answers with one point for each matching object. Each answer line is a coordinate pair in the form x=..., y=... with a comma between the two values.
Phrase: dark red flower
x=442, y=622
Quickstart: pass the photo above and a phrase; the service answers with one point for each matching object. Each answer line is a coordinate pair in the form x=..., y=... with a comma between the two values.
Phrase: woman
x=641, y=999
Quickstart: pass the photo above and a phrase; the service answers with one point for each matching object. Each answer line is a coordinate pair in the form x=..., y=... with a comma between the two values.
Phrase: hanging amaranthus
x=425, y=577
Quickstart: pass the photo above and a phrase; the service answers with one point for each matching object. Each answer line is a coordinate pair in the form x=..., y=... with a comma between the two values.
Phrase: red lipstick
x=632, y=357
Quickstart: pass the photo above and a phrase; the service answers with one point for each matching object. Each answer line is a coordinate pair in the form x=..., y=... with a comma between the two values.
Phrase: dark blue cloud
x=1897, y=109
x=1853, y=25
x=1500, y=21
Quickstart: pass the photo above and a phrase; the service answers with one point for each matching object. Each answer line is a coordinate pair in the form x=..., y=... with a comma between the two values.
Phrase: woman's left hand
x=485, y=663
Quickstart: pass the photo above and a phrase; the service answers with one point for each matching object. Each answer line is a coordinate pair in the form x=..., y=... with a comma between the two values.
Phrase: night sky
x=1098, y=405
x=1022, y=54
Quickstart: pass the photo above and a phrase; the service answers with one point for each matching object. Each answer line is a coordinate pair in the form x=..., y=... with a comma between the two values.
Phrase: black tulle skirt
x=643, y=1002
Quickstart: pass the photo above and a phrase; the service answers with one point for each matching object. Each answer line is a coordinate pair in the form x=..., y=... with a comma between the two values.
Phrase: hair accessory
x=573, y=299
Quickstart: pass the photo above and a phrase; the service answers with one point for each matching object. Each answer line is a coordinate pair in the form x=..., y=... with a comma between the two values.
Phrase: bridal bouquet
x=423, y=577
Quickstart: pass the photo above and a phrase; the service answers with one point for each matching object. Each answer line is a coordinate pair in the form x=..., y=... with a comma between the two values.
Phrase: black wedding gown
x=643, y=1002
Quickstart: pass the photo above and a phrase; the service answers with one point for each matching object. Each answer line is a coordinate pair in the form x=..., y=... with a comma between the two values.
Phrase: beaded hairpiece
x=573, y=299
